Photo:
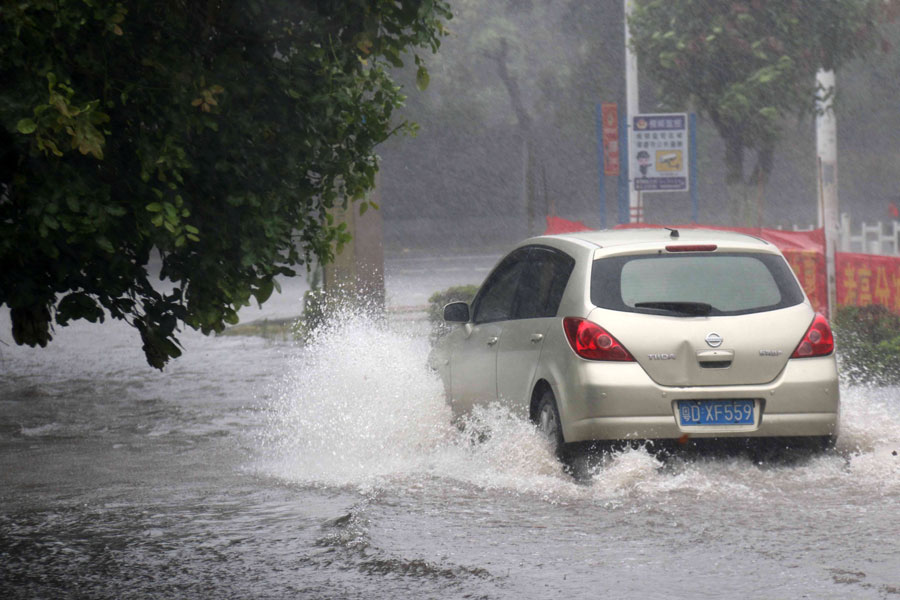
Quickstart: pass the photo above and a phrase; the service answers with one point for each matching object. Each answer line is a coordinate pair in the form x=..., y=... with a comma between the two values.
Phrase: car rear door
x=535, y=307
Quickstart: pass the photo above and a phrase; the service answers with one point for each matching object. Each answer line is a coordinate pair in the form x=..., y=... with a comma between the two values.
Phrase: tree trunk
x=529, y=185
x=525, y=129
x=746, y=197
x=765, y=159
x=735, y=188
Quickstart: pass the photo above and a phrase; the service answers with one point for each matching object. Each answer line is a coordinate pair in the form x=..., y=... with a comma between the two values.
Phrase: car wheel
x=827, y=443
x=548, y=422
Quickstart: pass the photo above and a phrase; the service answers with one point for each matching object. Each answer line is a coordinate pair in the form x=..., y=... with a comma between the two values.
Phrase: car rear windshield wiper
x=696, y=309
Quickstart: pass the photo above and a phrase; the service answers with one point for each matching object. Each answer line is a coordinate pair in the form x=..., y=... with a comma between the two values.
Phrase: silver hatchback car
x=650, y=334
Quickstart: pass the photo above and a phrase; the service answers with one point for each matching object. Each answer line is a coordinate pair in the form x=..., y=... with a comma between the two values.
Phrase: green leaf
x=264, y=291
x=26, y=126
x=78, y=305
x=154, y=207
x=51, y=222
x=105, y=244
x=422, y=78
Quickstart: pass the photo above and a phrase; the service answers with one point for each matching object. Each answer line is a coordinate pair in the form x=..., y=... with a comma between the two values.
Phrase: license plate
x=716, y=412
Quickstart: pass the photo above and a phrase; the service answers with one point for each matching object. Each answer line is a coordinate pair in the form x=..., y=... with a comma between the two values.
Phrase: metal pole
x=826, y=148
x=632, y=109
x=694, y=183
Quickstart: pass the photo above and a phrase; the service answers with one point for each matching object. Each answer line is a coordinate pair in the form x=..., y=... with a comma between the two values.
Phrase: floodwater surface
x=256, y=469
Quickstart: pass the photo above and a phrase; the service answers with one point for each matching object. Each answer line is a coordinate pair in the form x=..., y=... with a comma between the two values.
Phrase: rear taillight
x=592, y=342
x=818, y=340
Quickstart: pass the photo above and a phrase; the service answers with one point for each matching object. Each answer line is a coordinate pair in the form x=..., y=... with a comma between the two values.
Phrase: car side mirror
x=456, y=312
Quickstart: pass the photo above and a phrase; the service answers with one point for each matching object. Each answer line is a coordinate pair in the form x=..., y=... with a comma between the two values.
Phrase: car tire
x=549, y=424
x=827, y=443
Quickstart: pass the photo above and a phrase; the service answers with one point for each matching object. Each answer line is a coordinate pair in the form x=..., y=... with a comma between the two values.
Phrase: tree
x=747, y=65
x=217, y=133
x=491, y=57
x=515, y=68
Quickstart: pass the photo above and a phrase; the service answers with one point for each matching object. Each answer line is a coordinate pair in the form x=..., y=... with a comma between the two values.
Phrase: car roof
x=660, y=236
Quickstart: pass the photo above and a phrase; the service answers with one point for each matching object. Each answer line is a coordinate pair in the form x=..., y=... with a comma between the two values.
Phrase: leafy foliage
x=868, y=341
x=747, y=65
x=216, y=134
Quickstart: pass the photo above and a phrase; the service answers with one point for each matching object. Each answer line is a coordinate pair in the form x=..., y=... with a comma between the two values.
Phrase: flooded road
x=256, y=469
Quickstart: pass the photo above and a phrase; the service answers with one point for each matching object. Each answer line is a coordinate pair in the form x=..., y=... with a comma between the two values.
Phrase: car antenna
x=673, y=232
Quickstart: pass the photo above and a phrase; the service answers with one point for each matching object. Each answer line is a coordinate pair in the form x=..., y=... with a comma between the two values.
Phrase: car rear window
x=730, y=283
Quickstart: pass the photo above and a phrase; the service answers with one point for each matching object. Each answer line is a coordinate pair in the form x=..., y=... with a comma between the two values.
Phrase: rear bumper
x=638, y=428
x=618, y=401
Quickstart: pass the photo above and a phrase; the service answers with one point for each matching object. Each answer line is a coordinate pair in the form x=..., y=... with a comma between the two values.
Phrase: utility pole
x=632, y=103
x=826, y=151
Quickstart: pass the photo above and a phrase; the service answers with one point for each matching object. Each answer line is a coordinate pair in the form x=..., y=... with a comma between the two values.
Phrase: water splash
x=356, y=407
x=359, y=408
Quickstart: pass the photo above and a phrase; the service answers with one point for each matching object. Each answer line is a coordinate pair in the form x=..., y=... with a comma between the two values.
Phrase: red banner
x=862, y=279
x=609, y=114
x=555, y=225
x=809, y=266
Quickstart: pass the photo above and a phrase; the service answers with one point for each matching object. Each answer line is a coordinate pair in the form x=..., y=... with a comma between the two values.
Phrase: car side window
x=543, y=283
x=559, y=267
x=495, y=299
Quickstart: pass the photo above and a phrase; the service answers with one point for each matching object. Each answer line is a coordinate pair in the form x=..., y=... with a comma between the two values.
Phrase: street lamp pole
x=826, y=151
x=635, y=204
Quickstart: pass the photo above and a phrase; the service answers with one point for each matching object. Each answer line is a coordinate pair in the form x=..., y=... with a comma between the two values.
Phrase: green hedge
x=868, y=344
x=437, y=301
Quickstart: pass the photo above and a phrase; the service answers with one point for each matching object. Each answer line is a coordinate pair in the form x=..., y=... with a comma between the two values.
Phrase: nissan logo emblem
x=714, y=340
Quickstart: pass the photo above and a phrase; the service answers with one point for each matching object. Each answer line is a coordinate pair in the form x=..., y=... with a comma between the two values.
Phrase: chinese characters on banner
x=658, y=152
x=864, y=279
x=609, y=113
x=809, y=266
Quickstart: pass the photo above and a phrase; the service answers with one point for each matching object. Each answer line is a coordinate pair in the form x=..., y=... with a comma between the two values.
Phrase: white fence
x=873, y=238
x=868, y=238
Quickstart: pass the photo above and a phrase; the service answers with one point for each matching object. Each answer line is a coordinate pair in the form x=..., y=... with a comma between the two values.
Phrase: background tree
x=520, y=73
x=217, y=133
x=748, y=66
